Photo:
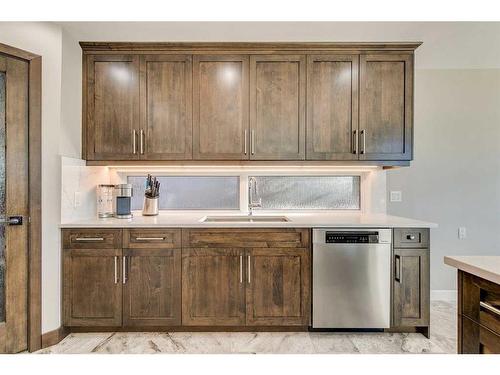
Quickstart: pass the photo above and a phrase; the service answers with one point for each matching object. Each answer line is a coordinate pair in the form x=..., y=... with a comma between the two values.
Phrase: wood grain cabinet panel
x=92, y=288
x=278, y=287
x=166, y=107
x=332, y=107
x=220, y=107
x=152, y=287
x=213, y=291
x=277, y=107
x=112, y=107
x=411, y=287
x=386, y=107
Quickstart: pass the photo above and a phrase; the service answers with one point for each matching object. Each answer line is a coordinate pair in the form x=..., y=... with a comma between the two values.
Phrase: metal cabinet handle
x=89, y=239
x=249, y=267
x=410, y=237
x=397, y=275
x=355, y=141
x=363, y=137
x=488, y=307
x=246, y=141
x=142, y=140
x=150, y=238
x=241, y=269
x=11, y=220
x=252, y=142
x=124, y=269
x=134, y=141
x=116, y=269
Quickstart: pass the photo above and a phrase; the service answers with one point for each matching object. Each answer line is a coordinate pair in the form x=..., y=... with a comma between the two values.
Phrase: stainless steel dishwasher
x=351, y=278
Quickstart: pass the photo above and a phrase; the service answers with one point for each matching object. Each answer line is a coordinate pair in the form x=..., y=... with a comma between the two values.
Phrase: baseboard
x=53, y=337
x=444, y=295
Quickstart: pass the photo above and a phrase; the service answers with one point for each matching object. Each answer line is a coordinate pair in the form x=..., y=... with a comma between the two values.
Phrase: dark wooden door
x=277, y=107
x=220, y=107
x=166, y=107
x=92, y=287
x=14, y=194
x=213, y=289
x=332, y=107
x=411, y=287
x=152, y=287
x=386, y=107
x=278, y=286
x=112, y=107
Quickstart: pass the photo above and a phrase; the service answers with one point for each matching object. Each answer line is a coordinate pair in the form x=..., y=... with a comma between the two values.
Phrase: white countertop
x=296, y=220
x=485, y=267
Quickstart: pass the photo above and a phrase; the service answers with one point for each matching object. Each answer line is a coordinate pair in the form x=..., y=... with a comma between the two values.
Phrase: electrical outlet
x=462, y=233
x=396, y=196
x=77, y=200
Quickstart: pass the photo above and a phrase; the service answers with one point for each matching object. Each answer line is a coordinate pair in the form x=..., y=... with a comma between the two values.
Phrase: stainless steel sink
x=245, y=219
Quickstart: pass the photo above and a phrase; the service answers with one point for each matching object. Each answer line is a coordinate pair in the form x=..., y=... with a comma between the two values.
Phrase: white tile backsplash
x=81, y=180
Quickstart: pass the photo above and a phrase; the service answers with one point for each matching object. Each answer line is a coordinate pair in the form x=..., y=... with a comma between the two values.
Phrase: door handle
x=134, y=141
x=249, y=267
x=252, y=141
x=397, y=271
x=124, y=270
x=489, y=307
x=355, y=141
x=116, y=269
x=363, y=138
x=11, y=220
x=246, y=141
x=142, y=141
x=241, y=269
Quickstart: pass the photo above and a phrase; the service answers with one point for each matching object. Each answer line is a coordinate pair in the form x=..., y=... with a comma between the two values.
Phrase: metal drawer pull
x=89, y=239
x=150, y=238
x=241, y=269
x=248, y=269
x=488, y=307
x=116, y=269
x=397, y=265
x=410, y=237
x=124, y=270
x=134, y=141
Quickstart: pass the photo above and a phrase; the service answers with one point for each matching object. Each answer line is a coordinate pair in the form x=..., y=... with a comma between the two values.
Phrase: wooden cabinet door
x=166, y=107
x=220, y=107
x=278, y=286
x=277, y=107
x=112, y=123
x=332, y=107
x=152, y=287
x=411, y=287
x=92, y=287
x=213, y=291
x=386, y=107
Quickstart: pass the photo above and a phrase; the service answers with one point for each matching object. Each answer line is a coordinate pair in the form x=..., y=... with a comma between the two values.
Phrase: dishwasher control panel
x=351, y=237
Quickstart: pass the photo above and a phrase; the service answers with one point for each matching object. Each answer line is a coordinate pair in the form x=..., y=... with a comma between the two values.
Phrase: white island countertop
x=296, y=220
x=485, y=267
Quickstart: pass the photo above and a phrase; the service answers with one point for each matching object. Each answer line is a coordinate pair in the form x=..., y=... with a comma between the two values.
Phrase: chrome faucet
x=252, y=193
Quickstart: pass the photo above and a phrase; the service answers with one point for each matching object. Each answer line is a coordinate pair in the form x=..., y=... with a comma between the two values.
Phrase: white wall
x=45, y=39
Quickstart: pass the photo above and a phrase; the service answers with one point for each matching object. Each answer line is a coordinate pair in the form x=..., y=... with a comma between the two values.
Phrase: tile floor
x=443, y=340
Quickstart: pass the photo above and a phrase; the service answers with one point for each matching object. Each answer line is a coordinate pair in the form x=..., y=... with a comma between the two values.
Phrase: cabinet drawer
x=151, y=238
x=411, y=237
x=245, y=238
x=92, y=238
x=481, y=301
x=477, y=339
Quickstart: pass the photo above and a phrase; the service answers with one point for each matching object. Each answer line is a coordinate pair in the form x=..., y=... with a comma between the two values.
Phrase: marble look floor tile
x=78, y=343
x=333, y=343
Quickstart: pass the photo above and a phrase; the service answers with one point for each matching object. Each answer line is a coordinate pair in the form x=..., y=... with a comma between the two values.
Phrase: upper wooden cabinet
x=248, y=102
x=220, y=98
x=112, y=111
x=386, y=107
x=332, y=107
x=277, y=107
x=166, y=107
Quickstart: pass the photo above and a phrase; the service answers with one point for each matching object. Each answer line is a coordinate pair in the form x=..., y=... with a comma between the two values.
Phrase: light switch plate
x=462, y=233
x=396, y=196
x=77, y=200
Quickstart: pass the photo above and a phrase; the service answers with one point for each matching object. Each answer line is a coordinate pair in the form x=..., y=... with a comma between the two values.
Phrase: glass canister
x=105, y=200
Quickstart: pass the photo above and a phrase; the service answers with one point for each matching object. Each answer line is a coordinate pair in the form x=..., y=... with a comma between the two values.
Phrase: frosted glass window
x=191, y=192
x=309, y=192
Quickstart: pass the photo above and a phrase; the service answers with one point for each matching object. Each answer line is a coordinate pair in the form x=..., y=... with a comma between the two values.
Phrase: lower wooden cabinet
x=151, y=287
x=213, y=290
x=277, y=287
x=92, y=287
